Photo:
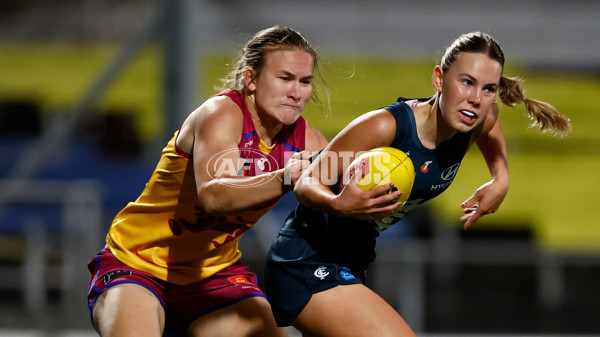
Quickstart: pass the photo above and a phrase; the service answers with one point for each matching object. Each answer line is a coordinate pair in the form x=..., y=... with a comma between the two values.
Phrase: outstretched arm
x=490, y=195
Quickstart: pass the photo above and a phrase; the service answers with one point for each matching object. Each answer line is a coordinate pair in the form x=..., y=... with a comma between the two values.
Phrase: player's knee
x=258, y=317
x=126, y=306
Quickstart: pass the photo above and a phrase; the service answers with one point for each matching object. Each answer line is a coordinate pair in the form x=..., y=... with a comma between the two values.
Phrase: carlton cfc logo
x=321, y=272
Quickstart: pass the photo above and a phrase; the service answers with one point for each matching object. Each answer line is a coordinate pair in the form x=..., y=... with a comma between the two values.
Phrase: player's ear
x=249, y=78
x=438, y=78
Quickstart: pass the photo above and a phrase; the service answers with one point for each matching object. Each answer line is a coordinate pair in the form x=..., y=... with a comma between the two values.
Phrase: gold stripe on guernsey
x=264, y=148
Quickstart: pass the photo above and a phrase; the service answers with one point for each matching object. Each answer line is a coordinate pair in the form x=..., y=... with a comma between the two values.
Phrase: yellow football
x=380, y=166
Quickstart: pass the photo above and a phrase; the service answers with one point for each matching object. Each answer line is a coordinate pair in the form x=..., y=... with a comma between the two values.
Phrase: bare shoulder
x=375, y=124
x=218, y=117
x=314, y=140
x=217, y=107
x=487, y=125
x=373, y=129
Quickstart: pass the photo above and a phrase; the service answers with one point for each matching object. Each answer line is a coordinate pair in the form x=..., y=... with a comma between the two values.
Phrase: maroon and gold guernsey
x=166, y=232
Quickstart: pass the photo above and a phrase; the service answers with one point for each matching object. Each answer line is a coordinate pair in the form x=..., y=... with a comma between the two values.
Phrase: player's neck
x=266, y=127
x=432, y=128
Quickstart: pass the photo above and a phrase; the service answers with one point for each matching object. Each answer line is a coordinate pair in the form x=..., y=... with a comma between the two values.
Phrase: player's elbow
x=209, y=205
x=300, y=188
x=212, y=201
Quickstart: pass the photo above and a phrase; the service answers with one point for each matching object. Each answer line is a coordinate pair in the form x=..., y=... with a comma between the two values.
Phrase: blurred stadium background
x=90, y=90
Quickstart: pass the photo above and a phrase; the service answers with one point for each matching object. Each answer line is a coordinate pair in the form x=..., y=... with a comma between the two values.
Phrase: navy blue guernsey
x=435, y=169
x=350, y=241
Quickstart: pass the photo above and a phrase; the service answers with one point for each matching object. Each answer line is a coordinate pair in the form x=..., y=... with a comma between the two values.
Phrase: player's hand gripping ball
x=380, y=166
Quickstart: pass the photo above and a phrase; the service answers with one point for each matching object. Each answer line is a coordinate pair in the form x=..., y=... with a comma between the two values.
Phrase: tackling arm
x=217, y=127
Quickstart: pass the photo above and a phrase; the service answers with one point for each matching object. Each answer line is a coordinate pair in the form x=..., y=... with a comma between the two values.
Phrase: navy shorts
x=182, y=303
x=295, y=270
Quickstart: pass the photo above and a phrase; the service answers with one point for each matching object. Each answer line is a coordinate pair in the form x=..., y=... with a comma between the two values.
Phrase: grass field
x=553, y=181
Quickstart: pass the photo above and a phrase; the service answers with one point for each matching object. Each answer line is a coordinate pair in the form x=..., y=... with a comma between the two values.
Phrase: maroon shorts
x=182, y=304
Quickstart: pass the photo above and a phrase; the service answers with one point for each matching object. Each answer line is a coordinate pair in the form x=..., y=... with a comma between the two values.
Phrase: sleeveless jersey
x=435, y=169
x=352, y=241
x=167, y=233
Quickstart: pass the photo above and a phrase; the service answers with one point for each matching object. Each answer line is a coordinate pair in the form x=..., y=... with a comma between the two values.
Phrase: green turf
x=552, y=180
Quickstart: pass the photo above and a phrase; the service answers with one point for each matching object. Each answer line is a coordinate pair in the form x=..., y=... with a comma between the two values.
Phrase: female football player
x=315, y=271
x=171, y=257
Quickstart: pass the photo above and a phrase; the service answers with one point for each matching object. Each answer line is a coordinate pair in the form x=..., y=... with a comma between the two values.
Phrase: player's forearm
x=230, y=195
x=493, y=148
x=499, y=170
x=315, y=195
x=496, y=160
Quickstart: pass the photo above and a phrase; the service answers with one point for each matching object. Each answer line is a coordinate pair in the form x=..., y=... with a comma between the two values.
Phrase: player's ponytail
x=543, y=115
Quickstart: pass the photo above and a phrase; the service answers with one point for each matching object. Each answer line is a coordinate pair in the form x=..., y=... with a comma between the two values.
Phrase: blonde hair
x=256, y=49
x=511, y=91
x=543, y=115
